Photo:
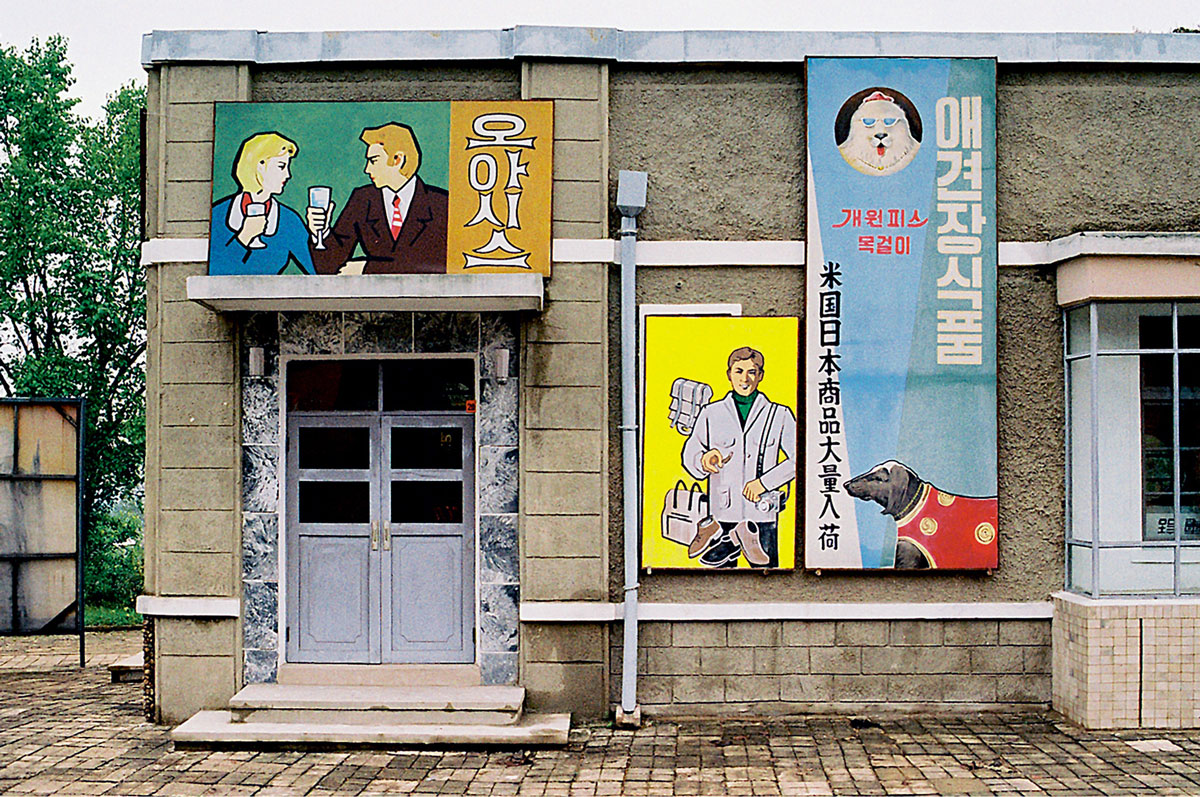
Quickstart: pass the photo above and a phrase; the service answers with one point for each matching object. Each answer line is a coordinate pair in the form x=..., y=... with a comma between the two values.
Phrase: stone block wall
x=782, y=666
x=565, y=407
x=192, y=468
x=1126, y=663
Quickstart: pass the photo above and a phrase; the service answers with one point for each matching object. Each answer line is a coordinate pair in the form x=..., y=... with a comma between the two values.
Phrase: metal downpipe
x=631, y=200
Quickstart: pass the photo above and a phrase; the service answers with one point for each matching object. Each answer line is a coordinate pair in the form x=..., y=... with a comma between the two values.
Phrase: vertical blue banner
x=900, y=369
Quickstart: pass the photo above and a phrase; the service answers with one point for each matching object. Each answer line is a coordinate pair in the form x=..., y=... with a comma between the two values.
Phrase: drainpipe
x=631, y=201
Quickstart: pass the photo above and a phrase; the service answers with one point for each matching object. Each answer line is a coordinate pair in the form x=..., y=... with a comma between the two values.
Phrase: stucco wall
x=1030, y=450
x=434, y=82
x=725, y=150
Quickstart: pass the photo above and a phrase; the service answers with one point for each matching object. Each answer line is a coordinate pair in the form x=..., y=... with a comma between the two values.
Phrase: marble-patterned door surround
x=317, y=333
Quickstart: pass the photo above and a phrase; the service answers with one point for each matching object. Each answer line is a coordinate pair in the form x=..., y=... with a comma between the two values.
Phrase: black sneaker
x=723, y=552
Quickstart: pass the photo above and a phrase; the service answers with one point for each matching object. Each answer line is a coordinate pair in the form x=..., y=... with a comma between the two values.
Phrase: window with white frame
x=1133, y=448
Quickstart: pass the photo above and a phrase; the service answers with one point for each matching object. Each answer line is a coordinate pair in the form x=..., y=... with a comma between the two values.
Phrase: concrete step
x=209, y=729
x=378, y=705
x=381, y=674
x=127, y=670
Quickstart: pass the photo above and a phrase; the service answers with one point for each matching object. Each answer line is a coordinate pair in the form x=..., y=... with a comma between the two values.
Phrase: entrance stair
x=306, y=715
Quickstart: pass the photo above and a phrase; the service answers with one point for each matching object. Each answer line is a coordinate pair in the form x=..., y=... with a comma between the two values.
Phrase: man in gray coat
x=736, y=444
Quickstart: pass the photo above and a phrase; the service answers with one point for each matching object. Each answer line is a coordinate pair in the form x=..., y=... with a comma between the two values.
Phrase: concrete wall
x=565, y=408
x=771, y=667
x=192, y=464
x=725, y=150
x=1031, y=464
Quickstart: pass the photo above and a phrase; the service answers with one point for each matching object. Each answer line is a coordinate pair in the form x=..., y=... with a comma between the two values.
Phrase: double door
x=380, y=538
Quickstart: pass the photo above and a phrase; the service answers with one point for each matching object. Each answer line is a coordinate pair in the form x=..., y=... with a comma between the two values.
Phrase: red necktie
x=397, y=218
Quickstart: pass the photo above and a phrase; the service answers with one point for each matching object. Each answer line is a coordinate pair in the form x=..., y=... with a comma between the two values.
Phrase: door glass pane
x=333, y=385
x=427, y=502
x=334, y=502
x=347, y=448
x=425, y=447
x=428, y=385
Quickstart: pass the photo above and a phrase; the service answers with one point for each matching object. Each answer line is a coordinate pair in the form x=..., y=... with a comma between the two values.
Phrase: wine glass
x=318, y=197
x=256, y=209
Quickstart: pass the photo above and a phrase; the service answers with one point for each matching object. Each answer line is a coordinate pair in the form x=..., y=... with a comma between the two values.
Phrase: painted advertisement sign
x=719, y=442
x=900, y=366
x=381, y=188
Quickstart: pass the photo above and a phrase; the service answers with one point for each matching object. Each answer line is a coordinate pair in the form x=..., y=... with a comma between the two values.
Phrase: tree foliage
x=72, y=296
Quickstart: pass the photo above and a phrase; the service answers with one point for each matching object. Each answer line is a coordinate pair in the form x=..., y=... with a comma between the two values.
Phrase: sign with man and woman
x=381, y=188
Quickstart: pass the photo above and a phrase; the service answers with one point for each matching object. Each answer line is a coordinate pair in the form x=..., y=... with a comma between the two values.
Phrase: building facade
x=1098, y=231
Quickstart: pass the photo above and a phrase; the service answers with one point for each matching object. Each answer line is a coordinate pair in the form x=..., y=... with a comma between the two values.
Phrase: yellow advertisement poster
x=719, y=442
x=500, y=176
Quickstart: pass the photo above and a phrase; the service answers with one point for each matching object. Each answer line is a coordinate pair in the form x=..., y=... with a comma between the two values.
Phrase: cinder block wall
x=565, y=408
x=778, y=666
x=192, y=465
x=1126, y=664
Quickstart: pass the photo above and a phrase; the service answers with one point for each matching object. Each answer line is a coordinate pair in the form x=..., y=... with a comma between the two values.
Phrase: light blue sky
x=105, y=35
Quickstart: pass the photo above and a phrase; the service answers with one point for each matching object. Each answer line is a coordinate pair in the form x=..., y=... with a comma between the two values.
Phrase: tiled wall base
x=1126, y=663
x=780, y=666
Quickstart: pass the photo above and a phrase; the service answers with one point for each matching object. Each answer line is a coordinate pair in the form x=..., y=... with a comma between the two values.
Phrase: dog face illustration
x=880, y=140
x=890, y=484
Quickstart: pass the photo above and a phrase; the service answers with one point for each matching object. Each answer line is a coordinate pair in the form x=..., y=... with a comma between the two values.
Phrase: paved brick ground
x=67, y=732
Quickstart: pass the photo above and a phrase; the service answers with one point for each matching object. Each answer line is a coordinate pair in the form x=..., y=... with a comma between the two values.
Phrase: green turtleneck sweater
x=743, y=404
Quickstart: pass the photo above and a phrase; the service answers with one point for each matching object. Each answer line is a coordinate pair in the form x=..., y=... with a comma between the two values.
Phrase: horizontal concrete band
x=160, y=606
x=653, y=47
x=370, y=292
x=599, y=612
x=781, y=253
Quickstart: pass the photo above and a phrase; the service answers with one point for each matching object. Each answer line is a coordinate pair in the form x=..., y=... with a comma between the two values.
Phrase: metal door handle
x=374, y=535
x=387, y=536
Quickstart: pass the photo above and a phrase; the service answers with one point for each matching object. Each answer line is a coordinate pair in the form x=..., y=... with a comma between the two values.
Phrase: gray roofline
x=650, y=47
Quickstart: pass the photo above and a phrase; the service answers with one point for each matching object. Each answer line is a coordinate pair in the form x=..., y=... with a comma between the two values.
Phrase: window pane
x=335, y=449
x=1158, y=453
x=1119, y=448
x=428, y=385
x=1079, y=568
x=426, y=447
x=1080, y=489
x=1189, y=325
x=331, y=385
x=1078, y=325
x=427, y=502
x=1189, y=571
x=1137, y=571
x=1121, y=325
x=335, y=502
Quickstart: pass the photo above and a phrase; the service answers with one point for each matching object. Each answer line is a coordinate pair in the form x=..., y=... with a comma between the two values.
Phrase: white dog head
x=879, y=140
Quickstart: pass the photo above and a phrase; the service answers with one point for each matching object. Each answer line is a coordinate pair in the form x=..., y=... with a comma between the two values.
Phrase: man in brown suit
x=399, y=221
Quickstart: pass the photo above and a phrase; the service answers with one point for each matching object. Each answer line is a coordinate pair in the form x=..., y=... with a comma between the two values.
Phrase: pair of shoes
x=721, y=552
x=746, y=535
x=706, y=531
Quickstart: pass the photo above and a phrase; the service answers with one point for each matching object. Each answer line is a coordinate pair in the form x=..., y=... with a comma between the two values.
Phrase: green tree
x=72, y=296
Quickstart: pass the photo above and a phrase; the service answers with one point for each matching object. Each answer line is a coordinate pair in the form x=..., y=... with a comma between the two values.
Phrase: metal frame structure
x=15, y=560
x=1092, y=354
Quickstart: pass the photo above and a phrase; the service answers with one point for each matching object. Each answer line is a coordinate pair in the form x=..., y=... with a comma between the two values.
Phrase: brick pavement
x=67, y=732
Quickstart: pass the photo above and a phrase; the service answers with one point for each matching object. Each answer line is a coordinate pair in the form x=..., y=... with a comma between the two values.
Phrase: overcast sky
x=105, y=35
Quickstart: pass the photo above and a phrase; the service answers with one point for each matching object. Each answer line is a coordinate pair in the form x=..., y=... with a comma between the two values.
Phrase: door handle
x=374, y=535
x=387, y=536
